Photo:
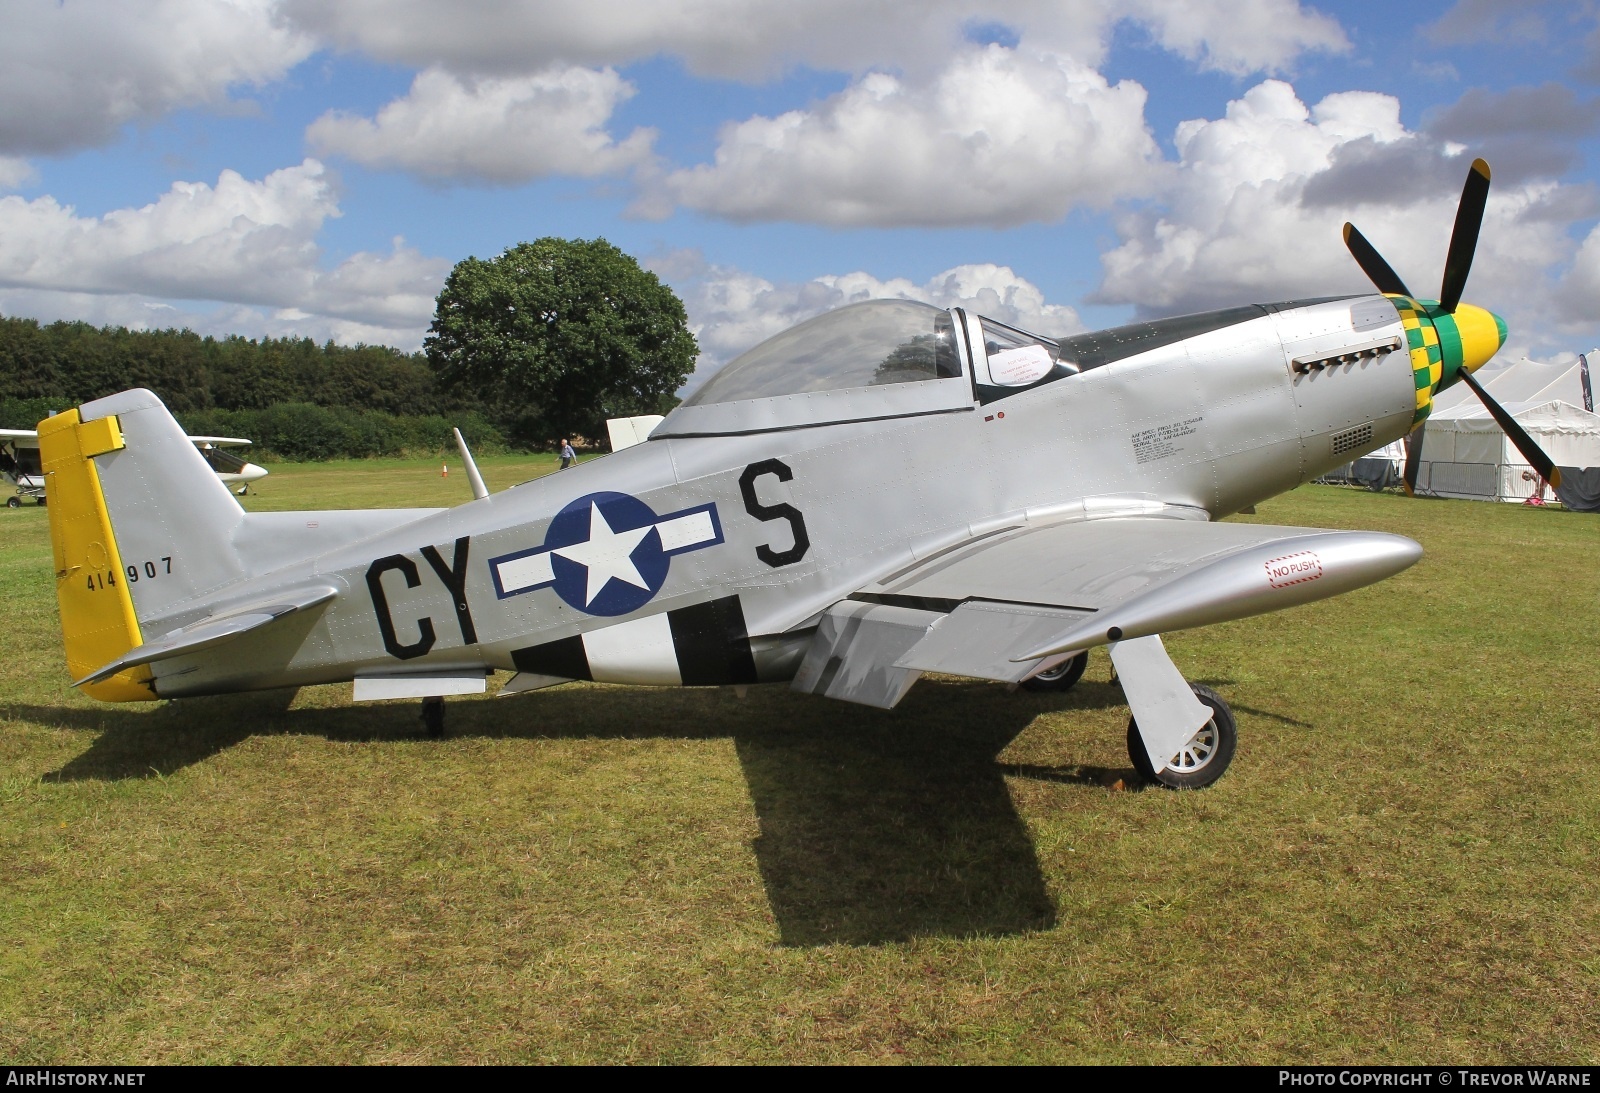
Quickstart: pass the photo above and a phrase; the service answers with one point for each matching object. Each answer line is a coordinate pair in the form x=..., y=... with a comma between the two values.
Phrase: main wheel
x=1063, y=677
x=13, y=502
x=1202, y=760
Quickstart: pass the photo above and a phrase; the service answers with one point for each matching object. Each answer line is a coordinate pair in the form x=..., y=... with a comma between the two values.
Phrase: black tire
x=13, y=502
x=1063, y=677
x=1197, y=767
x=41, y=501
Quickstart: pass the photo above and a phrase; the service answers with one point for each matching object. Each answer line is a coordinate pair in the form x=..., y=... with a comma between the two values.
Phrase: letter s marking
x=780, y=511
x=380, y=605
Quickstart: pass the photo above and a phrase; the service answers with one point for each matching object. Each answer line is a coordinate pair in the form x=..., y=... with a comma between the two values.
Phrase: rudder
x=97, y=617
x=139, y=523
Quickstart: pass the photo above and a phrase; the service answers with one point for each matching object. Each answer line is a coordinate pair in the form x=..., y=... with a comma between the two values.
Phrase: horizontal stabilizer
x=215, y=630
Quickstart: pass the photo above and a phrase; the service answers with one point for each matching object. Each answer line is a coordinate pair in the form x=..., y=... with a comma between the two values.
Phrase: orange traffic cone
x=444, y=470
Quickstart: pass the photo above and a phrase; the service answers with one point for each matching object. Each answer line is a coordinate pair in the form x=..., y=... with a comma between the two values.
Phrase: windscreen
x=862, y=345
x=222, y=462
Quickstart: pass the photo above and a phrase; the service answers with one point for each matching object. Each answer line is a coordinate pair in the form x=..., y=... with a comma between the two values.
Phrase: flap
x=854, y=653
x=215, y=630
x=432, y=684
x=980, y=637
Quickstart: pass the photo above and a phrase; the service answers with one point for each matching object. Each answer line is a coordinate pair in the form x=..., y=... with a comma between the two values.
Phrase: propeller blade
x=1464, y=239
x=1414, y=458
x=1525, y=444
x=1372, y=264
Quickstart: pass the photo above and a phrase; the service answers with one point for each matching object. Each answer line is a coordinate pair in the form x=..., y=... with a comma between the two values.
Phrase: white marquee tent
x=1464, y=453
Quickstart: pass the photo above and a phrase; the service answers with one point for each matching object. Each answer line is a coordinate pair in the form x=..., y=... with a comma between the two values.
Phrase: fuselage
x=770, y=522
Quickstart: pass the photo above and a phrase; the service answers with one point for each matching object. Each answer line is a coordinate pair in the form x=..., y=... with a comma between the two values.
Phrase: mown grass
x=1401, y=865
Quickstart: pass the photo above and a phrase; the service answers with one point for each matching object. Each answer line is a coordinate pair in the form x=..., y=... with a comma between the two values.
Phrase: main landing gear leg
x=433, y=716
x=1181, y=735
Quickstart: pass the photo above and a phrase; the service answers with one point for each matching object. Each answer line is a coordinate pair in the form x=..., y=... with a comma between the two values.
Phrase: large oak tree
x=560, y=334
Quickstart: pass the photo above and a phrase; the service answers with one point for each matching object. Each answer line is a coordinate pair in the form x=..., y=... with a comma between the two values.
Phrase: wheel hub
x=1197, y=752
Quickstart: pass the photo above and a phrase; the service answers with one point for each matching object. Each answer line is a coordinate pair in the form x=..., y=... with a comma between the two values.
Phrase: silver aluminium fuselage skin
x=762, y=516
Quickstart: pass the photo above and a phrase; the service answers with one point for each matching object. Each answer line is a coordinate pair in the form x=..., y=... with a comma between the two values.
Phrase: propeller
x=1464, y=237
x=1525, y=444
x=1463, y=336
x=1379, y=272
x=1414, y=458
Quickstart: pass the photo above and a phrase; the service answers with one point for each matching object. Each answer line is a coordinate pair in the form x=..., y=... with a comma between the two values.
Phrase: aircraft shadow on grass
x=875, y=826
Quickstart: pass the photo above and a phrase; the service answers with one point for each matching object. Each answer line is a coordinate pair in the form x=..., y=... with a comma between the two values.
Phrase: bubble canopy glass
x=871, y=344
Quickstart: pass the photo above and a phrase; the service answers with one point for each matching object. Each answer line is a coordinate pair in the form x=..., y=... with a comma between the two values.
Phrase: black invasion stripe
x=712, y=644
x=564, y=658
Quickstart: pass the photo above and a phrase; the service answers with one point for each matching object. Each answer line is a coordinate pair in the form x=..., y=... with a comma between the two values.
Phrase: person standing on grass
x=568, y=456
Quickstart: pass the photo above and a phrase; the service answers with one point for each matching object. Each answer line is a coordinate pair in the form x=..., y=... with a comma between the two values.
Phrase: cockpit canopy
x=879, y=359
x=863, y=345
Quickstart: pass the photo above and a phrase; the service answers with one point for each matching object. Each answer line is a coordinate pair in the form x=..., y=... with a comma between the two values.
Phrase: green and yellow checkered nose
x=1442, y=344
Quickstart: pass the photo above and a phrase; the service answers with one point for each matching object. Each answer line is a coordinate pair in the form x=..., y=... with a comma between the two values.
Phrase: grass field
x=1401, y=866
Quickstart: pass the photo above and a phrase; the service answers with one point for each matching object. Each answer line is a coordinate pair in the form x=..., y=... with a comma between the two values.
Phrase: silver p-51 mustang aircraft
x=885, y=490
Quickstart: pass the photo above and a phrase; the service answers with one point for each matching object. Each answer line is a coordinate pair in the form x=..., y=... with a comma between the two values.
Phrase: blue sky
x=315, y=166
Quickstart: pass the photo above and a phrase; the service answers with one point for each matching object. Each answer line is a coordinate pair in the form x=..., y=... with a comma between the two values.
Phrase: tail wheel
x=1063, y=677
x=1203, y=759
x=433, y=716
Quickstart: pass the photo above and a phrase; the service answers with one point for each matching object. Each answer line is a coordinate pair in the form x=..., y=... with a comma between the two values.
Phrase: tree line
x=295, y=398
x=546, y=340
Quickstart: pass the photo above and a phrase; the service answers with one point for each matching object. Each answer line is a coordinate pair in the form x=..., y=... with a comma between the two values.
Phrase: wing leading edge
x=1008, y=606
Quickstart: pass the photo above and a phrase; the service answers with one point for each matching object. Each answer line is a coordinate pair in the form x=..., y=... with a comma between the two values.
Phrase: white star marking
x=607, y=554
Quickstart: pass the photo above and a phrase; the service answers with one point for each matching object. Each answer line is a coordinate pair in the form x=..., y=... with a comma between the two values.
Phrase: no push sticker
x=1291, y=569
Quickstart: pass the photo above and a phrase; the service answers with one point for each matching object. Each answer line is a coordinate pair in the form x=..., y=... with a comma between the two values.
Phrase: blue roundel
x=606, y=554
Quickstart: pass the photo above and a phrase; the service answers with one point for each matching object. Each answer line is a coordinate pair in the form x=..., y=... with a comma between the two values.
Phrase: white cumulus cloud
x=754, y=39
x=71, y=74
x=239, y=242
x=1000, y=137
x=1239, y=36
x=1255, y=207
x=14, y=172
x=493, y=129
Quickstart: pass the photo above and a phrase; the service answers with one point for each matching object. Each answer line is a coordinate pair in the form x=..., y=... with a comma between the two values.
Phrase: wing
x=1009, y=605
x=222, y=441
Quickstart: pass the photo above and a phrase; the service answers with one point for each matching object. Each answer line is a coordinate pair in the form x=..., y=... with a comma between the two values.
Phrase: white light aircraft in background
x=19, y=463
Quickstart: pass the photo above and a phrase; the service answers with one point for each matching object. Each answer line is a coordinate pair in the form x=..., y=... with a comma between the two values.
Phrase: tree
x=559, y=334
